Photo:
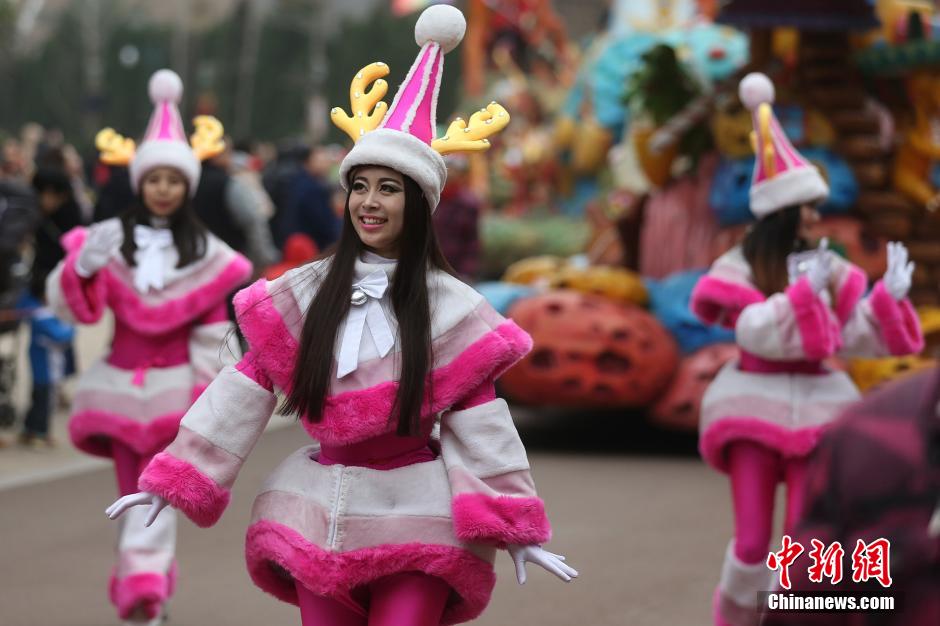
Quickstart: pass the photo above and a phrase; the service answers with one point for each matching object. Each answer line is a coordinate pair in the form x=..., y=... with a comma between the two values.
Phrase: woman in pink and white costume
x=395, y=517
x=790, y=309
x=167, y=280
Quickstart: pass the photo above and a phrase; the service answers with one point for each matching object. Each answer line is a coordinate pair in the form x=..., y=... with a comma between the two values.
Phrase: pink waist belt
x=384, y=452
x=751, y=363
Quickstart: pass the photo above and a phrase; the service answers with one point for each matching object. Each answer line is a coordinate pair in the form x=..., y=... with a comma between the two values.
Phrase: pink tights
x=405, y=599
x=128, y=466
x=755, y=471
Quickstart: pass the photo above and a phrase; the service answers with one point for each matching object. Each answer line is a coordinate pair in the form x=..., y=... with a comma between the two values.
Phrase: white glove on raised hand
x=102, y=243
x=123, y=503
x=897, y=278
x=550, y=561
x=820, y=266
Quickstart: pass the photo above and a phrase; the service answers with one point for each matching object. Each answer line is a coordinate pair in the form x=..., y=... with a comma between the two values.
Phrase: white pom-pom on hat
x=443, y=24
x=165, y=85
x=756, y=89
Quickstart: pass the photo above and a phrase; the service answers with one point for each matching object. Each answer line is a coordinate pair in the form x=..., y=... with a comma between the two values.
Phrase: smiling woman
x=377, y=208
x=376, y=347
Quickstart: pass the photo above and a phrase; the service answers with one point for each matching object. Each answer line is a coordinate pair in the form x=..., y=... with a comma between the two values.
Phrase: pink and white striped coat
x=166, y=347
x=779, y=393
x=336, y=527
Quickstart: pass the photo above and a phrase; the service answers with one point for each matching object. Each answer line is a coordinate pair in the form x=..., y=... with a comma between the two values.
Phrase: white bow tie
x=151, y=243
x=365, y=308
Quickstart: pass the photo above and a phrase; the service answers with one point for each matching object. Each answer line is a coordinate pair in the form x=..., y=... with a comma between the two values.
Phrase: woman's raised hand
x=96, y=252
x=898, y=276
x=554, y=563
x=123, y=503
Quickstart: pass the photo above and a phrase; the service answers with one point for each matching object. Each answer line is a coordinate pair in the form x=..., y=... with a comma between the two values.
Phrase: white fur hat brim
x=794, y=187
x=165, y=153
x=402, y=152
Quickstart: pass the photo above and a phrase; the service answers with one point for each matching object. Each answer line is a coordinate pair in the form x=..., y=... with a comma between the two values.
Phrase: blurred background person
x=308, y=209
x=50, y=345
x=457, y=220
x=58, y=214
x=876, y=475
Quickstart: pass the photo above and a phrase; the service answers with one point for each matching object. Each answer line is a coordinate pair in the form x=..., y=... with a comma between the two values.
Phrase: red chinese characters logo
x=827, y=562
x=872, y=560
x=784, y=559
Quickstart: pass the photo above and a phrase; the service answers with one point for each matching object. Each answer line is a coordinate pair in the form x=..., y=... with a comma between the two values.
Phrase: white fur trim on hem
x=401, y=152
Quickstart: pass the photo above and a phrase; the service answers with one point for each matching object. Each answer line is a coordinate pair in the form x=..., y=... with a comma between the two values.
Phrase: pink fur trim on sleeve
x=501, y=519
x=249, y=367
x=850, y=292
x=718, y=301
x=900, y=326
x=270, y=340
x=85, y=296
x=817, y=334
x=72, y=241
x=481, y=395
x=185, y=488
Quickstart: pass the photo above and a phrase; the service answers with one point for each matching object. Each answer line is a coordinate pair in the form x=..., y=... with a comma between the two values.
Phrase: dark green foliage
x=47, y=86
x=661, y=89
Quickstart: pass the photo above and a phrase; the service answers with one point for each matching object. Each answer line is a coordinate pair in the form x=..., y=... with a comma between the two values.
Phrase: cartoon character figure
x=790, y=310
x=916, y=172
x=375, y=346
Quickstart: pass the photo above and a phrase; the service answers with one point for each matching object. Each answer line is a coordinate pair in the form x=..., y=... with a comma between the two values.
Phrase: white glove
x=554, y=563
x=820, y=265
x=123, y=503
x=897, y=278
x=102, y=243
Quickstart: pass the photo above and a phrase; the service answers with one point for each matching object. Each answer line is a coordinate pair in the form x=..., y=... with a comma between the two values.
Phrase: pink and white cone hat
x=164, y=144
x=403, y=140
x=782, y=176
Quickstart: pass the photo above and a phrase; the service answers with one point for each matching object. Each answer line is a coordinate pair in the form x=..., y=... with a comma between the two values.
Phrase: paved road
x=637, y=512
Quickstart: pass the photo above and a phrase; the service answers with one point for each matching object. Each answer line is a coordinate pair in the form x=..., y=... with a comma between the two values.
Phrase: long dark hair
x=418, y=253
x=767, y=244
x=190, y=235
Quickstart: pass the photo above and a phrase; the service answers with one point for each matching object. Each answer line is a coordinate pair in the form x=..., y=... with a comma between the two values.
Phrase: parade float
x=644, y=177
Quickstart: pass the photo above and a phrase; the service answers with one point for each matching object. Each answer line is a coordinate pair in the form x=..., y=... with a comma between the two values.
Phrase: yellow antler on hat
x=114, y=148
x=207, y=141
x=364, y=119
x=472, y=137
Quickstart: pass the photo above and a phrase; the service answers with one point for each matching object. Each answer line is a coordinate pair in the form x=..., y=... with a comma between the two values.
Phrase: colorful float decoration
x=678, y=408
x=589, y=352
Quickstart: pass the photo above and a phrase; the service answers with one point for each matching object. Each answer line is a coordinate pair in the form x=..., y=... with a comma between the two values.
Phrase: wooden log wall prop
x=828, y=78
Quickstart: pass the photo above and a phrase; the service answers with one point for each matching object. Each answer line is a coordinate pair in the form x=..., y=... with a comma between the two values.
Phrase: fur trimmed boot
x=736, y=599
x=141, y=598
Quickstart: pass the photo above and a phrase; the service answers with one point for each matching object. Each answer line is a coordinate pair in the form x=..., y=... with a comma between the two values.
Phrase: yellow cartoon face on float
x=731, y=128
x=924, y=90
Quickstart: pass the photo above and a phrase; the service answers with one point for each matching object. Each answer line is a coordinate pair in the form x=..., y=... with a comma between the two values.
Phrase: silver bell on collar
x=358, y=297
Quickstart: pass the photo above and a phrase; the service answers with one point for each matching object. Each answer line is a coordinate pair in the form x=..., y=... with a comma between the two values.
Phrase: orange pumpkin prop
x=589, y=352
x=679, y=407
